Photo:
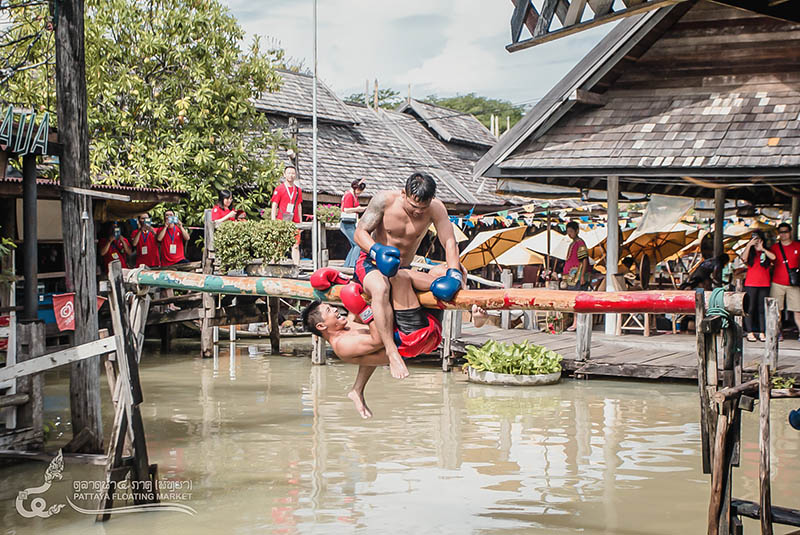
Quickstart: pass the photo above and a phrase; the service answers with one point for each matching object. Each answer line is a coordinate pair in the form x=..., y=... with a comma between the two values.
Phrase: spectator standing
x=576, y=266
x=785, y=285
x=114, y=246
x=349, y=218
x=172, y=237
x=223, y=210
x=287, y=205
x=756, y=284
x=145, y=243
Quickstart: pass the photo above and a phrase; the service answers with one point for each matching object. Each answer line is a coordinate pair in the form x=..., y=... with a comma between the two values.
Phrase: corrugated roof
x=451, y=125
x=100, y=187
x=295, y=98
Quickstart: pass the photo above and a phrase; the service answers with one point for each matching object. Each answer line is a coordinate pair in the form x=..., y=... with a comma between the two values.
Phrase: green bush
x=330, y=214
x=517, y=359
x=238, y=243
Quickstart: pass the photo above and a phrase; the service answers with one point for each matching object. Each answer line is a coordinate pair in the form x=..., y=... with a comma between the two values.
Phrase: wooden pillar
x=795, y=215
x=30, y=344
x=773, y=327
x=505, y=316
x=719, y=220
x=612, y=246
x=80, y=257
x=583, y=331
x=30, y=236
x=206, y=331
x=274, y=304
x=764, y=389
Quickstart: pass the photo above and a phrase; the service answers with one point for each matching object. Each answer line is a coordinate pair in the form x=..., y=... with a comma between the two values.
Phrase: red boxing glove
x=324, y=278
x=354, y=302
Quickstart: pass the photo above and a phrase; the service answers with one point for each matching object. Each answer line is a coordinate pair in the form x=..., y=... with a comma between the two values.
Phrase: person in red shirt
x=756, y=284
x=350, y=210
x=144, y=240
x=114, y=246
x=223, y=210
x=172, y=237
x=287, y=205
x=787, y=253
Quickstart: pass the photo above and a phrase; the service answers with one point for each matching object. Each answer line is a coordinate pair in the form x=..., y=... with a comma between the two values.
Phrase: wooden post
x=30, y=345
x=719, y=218
x=447, y=339
x=706, y=417
x=764, y=387
x=795, y=215
x=505, y=316
x=773, y=322
x=274, y=303
x=30, y=237
x=530, y=315
x=206, y=332
x=583, y=331
x=76, y=214
x=612, y=247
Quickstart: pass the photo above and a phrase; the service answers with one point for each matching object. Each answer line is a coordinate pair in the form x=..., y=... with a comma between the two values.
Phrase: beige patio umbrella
x=488, y=245
x=519, y=255
x=460, y=236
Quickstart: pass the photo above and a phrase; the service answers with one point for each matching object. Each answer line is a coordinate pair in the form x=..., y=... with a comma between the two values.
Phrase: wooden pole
x=583, y=338
x=706, y=418
x=764, y=386
x=274, y=304
x=612, y=247
x=206, y=331
x=76, y=214
x=30, y=236
x=30, y=345
x=507, y=278
x=375, y=102
x=773, y=322
x=719, y=220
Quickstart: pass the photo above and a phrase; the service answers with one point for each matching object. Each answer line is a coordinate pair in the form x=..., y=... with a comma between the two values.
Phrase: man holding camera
x=145, y=243
x=172, y=237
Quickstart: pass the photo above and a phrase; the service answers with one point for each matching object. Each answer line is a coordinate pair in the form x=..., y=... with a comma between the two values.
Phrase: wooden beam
x=546, y=17
x=59, y=358
x=538, y=39
x=97, y=194
x=574, y=12
x=601, y=7
x=780, y=515
x=589, y=98
x=524, y=12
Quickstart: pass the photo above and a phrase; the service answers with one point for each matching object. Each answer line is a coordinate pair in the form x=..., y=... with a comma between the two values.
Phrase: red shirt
x=116, y=251
x=349, y=200
x=218, y=212
x=172, y=246
x=285, y=197
x=757, y=275
x=146, y=249
x=780, y=275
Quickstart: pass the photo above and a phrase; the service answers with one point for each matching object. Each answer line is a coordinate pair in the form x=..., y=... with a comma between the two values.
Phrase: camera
x=117, y=232
x=173, y=219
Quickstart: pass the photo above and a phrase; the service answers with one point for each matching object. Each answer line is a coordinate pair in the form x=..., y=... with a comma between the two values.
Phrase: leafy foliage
x=780, y=382
x=388, y=99
x=330, y=214
x=481, y=107
x=517, y=359
x=169, y=94
x=238, y=243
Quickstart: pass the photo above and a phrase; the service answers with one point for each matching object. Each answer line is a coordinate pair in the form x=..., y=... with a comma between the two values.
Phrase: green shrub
x=238, y=243
x=330, y=214
x=517, y=359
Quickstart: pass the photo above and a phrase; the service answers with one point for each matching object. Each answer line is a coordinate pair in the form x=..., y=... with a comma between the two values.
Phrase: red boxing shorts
x=416, y=332
x=364, y=265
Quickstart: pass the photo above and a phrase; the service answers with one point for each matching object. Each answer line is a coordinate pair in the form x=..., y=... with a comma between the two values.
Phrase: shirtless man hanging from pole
x=355, y=338
x=389, y=234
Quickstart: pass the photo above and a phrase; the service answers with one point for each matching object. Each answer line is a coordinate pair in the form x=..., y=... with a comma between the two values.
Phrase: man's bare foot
x=397, y=367
x=479, y=316
x=360, y=403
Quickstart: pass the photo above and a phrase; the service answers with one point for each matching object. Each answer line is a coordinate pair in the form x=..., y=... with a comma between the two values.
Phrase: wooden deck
x=669, y=356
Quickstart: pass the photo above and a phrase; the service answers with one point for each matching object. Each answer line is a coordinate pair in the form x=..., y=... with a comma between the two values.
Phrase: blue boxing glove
x=794, y=419
x=445, y=288
x=386, y=257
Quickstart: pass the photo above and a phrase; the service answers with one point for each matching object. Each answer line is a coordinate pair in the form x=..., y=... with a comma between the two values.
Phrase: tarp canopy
x=488, y=245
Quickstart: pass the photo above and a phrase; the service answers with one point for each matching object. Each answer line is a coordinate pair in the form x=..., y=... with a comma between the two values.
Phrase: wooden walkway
x=670, y=356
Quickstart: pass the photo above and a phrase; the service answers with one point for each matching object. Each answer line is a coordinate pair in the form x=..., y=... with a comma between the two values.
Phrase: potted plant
x=524, y=364
x=329, y=214
x=258, y=247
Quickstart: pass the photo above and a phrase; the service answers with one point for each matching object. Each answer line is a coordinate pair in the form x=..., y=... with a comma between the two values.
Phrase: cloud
x=440, y=47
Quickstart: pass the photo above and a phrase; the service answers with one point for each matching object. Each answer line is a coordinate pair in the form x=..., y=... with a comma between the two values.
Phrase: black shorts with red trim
x=425, y=336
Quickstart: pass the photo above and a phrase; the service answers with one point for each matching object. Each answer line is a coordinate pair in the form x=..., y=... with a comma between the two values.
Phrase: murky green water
x=272, y=445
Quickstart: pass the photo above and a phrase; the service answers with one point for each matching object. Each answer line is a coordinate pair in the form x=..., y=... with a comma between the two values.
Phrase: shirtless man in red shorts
x=389, y=234
x=355, y=339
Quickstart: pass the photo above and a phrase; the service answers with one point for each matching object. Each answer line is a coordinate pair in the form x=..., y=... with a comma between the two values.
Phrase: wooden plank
x=705, y=409
x=13, y=400
x=206, y=335
x=780, y=515
x=773, y=319
x=523, y=13
x=765, y=492
x=589, y=98
x=574, y=13
x=601, y=7
x=69, y=458
x=59, y=358
x=545, y=18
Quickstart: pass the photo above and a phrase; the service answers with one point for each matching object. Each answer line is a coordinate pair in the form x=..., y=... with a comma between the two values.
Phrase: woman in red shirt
x=223, y=210
x=756, y=283
x=350, y=210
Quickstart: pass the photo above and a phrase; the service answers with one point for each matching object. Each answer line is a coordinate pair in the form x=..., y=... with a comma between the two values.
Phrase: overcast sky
x=442, y=47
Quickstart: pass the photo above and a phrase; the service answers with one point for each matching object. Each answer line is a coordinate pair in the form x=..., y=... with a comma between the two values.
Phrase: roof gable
x=451, y=125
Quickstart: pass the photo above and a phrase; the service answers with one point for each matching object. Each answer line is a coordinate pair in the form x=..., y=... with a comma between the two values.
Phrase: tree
x=169, y=94
x=481, y=107
x=388, y=99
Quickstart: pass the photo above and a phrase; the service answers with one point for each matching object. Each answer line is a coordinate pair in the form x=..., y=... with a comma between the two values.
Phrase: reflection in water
x=274, y=446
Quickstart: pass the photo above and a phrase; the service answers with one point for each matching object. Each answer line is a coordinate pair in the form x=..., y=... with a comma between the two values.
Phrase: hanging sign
x=23, y=137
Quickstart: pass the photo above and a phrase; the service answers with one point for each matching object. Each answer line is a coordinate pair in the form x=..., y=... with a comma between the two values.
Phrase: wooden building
x=383, y=146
